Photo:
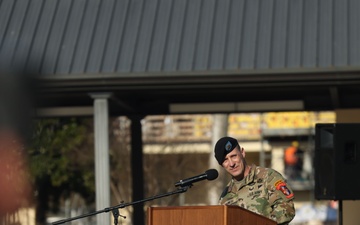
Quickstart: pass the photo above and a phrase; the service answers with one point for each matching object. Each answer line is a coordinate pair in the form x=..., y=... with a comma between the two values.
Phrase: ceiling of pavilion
x=152, y=54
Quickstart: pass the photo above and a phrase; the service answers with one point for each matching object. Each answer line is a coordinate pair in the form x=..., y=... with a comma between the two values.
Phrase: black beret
x=223, y=146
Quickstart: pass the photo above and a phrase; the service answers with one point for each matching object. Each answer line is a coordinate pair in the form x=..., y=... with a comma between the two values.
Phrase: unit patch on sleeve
x=281, y=186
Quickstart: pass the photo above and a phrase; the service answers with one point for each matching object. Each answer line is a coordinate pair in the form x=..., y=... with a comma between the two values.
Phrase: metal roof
x=124, y=46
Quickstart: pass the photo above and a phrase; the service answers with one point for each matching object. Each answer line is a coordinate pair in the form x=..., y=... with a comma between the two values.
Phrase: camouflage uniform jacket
x=263, y=191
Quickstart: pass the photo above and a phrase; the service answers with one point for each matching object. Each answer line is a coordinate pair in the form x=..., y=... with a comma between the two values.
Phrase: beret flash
x=224, y=146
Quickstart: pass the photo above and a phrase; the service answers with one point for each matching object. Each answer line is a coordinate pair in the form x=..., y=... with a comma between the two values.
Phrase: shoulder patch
x=281, y=186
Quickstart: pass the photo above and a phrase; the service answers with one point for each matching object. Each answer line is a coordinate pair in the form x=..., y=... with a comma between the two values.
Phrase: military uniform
x=263, y=191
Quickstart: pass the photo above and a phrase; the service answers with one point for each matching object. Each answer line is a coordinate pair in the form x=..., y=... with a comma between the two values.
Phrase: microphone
x=210, y=174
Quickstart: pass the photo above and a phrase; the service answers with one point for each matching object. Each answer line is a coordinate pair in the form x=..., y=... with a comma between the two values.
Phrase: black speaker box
x=337, y=161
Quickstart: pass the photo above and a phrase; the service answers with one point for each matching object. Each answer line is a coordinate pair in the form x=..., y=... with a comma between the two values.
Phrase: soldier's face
x=234, y=163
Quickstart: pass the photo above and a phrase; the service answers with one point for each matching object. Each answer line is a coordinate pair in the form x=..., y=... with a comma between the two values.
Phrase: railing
x=177, y=128
x=243, y=126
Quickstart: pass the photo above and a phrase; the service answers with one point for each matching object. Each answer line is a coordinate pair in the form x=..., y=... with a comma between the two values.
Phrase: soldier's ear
x=242, y=151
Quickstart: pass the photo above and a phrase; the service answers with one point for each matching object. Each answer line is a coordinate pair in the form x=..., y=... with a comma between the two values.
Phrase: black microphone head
x=211, y=174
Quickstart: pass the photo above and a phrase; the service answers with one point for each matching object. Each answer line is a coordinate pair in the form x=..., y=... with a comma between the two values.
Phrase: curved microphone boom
x=210, y=174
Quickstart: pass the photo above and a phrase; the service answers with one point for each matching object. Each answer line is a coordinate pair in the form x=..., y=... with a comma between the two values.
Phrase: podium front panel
x=205, y=215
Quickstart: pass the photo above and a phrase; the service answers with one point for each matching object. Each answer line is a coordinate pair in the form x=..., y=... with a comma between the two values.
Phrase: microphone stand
x=115, y=209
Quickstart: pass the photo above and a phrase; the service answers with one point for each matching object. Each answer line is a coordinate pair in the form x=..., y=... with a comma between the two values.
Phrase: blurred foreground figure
x=258, y=189
x=15, y=186
x=15, y=122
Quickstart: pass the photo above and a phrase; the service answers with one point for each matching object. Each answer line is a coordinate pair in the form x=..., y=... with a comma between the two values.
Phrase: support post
x=137, y=168
x=102, y=170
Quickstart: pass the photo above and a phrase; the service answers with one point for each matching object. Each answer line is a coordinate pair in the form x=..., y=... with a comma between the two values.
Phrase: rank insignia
x=228, y=146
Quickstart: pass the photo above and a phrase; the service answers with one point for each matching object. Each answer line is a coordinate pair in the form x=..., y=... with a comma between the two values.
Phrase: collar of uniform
x=247, y=180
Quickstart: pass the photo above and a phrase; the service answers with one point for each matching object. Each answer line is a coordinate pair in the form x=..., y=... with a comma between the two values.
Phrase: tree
x=58, y=163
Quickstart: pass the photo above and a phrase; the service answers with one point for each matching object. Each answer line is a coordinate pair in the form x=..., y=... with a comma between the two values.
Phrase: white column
x=220, y=129
x=277, y=160
x=102, y=171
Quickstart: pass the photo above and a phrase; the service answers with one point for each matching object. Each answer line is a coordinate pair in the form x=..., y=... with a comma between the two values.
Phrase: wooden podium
x=205, y=215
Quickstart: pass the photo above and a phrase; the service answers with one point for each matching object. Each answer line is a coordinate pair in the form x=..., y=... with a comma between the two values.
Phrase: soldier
x=258, y=189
